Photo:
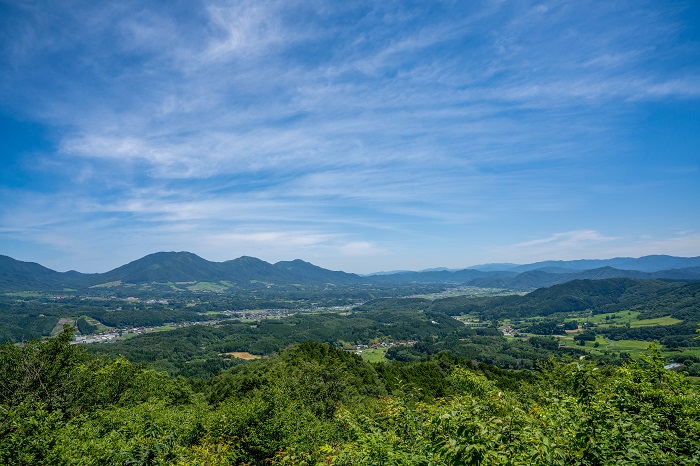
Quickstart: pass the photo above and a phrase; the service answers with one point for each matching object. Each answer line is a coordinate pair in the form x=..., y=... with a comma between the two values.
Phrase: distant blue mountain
x=495, y=267
x=653, y=263
x=175, y=267
x=533, y=279
x=178, y=267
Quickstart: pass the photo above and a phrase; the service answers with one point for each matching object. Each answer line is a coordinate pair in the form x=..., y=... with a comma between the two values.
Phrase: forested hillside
x=315, y=404
x=578, y=295
x=655, y=298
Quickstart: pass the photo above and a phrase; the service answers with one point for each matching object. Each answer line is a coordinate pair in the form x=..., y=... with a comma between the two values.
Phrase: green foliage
x=580, y=414
x=41, y=373
x=317, y=404
x=588, y=335
x=682, y=303
x=547, y=327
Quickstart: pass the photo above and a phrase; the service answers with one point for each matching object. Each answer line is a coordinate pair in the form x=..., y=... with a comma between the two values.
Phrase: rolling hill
x=172, y=267
x=186, y=267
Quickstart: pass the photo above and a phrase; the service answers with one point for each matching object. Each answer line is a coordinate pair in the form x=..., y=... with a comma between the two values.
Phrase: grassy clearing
x=374, y=354
x=58, y=328
x=207, y=286
x=108, y=284
x=609, y=318
x=667, y=320
x=633, y=347
x=100, y=326
x=624, y=317
x=164, y=328
x=630, y=346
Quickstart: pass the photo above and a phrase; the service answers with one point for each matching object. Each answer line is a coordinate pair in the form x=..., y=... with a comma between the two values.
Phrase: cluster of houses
x=263, y=314
x=113, y=335
x=384, y=344
x=117, y=334
x=280, y=313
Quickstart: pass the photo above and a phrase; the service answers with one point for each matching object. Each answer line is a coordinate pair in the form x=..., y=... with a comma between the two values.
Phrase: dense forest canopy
x=316, y=404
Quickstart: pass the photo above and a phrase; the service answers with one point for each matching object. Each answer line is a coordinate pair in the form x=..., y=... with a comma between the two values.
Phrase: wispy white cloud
x=211, y=135
x=314, y=118
x=361, y=248
x=592, y=244
x=566, y=241
x=245, y=29
x=686, y=244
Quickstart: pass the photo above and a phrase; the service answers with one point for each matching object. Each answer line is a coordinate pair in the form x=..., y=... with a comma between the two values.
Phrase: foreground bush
x=315, y=404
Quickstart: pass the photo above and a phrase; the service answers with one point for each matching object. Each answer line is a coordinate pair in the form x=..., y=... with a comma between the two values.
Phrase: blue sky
x=360, y=136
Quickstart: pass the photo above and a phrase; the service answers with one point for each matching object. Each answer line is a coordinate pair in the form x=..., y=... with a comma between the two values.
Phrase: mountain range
x=186, y=267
